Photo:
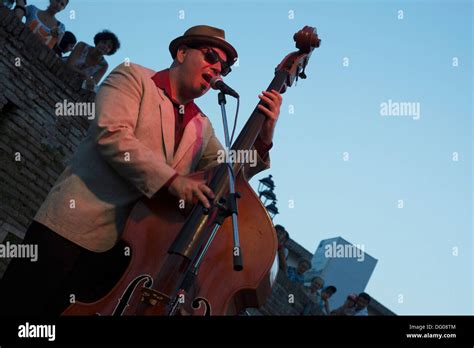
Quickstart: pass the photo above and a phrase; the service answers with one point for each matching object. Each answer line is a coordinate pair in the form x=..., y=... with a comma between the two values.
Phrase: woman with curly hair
x=90, y=61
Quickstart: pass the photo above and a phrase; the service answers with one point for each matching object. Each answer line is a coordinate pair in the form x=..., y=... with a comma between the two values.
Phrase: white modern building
x=342, y=264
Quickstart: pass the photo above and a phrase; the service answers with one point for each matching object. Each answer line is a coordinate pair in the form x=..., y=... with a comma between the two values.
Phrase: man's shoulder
x=134, y=69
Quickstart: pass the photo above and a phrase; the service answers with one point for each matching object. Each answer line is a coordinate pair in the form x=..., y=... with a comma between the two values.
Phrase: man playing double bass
x=148, y=135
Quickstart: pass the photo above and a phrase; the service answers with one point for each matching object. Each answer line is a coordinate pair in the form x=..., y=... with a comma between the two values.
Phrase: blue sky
x=337, y=110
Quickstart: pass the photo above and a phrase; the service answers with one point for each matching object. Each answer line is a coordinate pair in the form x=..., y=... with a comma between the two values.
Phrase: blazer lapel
x=167, y=127
x=191, y=142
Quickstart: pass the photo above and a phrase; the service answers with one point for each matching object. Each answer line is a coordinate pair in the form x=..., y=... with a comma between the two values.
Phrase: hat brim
x=229, y=50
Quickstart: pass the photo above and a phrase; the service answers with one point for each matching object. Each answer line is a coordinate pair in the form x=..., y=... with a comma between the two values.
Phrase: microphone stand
x=232, y=201
x=226, y=207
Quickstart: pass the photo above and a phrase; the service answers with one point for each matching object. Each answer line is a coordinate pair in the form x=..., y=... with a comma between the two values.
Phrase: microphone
x=218, y=84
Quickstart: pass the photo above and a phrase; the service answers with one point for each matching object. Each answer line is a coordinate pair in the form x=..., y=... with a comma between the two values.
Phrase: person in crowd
x=297, y=274
x=43, y=22
x=283, y=238
x=314, y=293
x=321, y=306
x=325, y=296
x=8, y=3
x=89, y=61
x=348, y=308
x=314, y=288
x=65, y=45
x=361, y=306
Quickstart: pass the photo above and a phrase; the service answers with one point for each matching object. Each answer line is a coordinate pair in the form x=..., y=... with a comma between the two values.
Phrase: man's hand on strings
x=271, y=109
x=191, y=190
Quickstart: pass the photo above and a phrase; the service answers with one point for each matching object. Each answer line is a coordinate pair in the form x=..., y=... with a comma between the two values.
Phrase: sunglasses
x=212, y=57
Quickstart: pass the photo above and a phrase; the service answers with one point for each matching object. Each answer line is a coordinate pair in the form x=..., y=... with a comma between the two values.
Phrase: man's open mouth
x=207, y=77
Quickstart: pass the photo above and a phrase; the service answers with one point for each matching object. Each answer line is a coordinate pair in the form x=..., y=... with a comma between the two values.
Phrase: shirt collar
x=162, y=81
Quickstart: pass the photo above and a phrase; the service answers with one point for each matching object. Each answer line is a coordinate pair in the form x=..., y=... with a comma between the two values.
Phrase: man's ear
x=181, y=53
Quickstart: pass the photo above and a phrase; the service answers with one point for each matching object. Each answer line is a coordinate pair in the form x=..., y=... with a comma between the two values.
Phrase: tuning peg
x=302, y=73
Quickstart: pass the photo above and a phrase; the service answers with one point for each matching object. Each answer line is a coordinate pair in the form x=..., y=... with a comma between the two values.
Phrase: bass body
x=151, y=229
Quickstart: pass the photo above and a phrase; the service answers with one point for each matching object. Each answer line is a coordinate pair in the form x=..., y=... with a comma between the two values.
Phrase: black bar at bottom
x=240, y=329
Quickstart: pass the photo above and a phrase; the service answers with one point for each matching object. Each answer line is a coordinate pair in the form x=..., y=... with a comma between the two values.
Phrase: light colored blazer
x=127, y=154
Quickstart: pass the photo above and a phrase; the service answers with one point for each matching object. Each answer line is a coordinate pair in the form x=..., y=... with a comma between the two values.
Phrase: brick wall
x=34, y=143
x=287, y=298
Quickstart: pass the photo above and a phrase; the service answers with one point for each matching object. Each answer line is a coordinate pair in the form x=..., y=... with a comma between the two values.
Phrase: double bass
x=180, y=263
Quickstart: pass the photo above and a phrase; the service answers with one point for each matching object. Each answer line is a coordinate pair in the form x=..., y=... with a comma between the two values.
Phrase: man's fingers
x=265, y=110
x=195, y=190
x=277, y=94
x=204, y=188
x=274, y=96
x=202, y=197
x=270, y=94
x=266, y=99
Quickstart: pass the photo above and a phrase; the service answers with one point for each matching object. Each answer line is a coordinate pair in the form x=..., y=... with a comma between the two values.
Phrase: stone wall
x=34, y=143
x=287, y=298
